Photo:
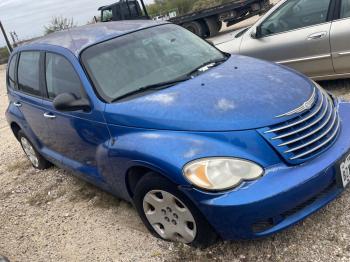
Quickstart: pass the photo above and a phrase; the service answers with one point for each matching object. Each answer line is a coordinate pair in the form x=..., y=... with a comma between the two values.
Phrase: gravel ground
x=53, y=216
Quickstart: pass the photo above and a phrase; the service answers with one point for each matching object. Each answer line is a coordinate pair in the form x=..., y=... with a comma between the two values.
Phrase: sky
x=28, y=17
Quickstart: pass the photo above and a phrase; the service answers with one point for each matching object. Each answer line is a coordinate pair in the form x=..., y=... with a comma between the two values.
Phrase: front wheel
x=168, y=213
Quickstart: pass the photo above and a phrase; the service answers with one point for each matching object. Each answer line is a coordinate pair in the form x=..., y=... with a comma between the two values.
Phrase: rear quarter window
x=12, y=73
x=29, y=73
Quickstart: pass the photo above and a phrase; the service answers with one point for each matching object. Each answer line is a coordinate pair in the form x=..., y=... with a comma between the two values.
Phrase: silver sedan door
x=340, y=40
x=296, y=34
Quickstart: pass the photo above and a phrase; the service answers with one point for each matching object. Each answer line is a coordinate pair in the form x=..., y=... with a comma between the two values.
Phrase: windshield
x=144, y=58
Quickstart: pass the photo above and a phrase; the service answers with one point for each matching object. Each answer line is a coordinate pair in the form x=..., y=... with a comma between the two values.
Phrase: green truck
x=204, y=23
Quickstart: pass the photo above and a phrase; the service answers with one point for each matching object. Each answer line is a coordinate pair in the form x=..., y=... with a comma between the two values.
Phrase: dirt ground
x=53, y=216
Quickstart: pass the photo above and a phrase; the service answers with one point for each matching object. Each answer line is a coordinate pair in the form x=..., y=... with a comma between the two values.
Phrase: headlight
x=219, y=174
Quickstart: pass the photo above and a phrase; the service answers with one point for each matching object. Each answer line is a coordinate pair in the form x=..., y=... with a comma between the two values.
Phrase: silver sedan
x=311, y=36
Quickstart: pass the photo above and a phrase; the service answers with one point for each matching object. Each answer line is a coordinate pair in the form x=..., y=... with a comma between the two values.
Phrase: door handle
x=17, y=104
x=318, y=35
x=49, y=116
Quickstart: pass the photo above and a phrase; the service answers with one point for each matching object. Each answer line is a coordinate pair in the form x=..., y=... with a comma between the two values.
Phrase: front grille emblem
x=306, y=106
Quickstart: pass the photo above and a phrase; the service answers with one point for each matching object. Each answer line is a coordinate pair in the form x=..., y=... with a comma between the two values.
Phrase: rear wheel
x=213, y=25
x=168, y=213
x=34, y=157
x=195, y=27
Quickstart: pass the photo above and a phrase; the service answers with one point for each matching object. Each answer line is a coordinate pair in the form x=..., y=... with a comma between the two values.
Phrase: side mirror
x=256, y=32
x=68, y=102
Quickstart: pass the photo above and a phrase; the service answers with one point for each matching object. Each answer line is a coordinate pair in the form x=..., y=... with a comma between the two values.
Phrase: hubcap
x=30, y=152
x=169, y=217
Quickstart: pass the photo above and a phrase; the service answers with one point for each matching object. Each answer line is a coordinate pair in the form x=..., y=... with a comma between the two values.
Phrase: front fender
x=166, y=152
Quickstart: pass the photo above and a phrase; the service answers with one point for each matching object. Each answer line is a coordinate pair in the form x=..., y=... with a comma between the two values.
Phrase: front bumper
x=284, y=196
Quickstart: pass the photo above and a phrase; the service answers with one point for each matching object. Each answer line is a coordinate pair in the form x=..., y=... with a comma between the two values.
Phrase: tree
x=58, y=24
x=4, y=55
x=163, y=6
x=202, y=4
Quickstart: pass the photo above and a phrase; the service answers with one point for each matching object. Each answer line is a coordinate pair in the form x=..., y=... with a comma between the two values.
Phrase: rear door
x=340, y=39
x=296, y=35
x=28, y=97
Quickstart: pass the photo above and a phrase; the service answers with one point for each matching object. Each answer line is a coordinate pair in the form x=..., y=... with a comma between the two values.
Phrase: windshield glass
x=144, y=58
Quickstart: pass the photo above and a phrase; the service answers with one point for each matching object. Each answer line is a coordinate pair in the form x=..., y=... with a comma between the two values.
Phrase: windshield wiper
x=157, y=86
x=207, y=65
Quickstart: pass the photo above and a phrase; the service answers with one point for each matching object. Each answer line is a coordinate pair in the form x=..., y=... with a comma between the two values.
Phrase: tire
x=195, y=27
x=37, y=160
x=213, y=25
x=173, y=216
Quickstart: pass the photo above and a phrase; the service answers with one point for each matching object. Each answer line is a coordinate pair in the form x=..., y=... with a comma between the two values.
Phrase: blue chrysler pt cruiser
x=204, y=144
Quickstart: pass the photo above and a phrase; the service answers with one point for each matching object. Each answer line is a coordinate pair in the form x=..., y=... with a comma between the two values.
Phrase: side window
x=61, y=77
x=11, y=72
x=296, y=14
x=345, y=9
x=107, y=15
x=28, y=73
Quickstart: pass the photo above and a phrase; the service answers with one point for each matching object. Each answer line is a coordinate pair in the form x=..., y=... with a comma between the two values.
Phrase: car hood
x=242, y=93
x=231, y=46
x=228, y=37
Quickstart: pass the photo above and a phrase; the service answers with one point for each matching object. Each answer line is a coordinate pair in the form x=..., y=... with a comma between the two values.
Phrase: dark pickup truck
x=205, y=23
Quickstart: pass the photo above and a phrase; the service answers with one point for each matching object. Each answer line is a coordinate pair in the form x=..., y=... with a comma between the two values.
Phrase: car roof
x=78, y=38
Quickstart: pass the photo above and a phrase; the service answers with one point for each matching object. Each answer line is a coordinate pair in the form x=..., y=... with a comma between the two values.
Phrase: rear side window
x=345, y=9
x=107, y=15
x=61, y=77
x=11, y=72
x=28, y=73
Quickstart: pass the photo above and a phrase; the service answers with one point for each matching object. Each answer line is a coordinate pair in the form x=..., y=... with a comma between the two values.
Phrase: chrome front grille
x=308, y=134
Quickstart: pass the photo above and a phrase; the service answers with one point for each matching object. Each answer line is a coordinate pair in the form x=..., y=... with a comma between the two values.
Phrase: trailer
x=204, y=23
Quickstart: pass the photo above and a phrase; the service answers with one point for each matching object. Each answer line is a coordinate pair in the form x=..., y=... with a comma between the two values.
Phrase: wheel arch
x=136, y=172
x=15, y=127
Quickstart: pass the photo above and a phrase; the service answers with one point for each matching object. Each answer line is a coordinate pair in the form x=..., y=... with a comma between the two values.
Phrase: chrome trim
x=314, y=132
x=344, y=53
x=310, y=58
x=306, y=106
x=49, y=116
x=305, y=127
x=17, y=104
x=321, y=145
x=331, y=77
x=316, y=36
x=298, y=122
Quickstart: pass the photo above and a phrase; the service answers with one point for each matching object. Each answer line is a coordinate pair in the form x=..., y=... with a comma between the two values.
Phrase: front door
x=340, y=40
x=77, y=136
x=296, y=35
